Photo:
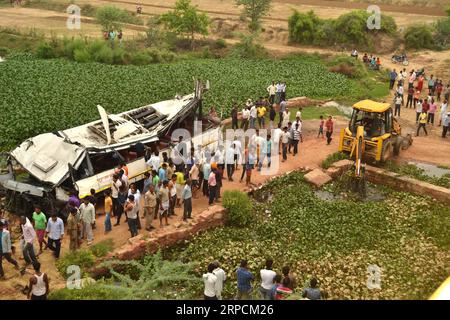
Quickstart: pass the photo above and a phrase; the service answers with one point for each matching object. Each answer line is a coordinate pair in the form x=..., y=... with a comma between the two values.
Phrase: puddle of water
x=431, y=170
x=326, y=195
x=372, y=194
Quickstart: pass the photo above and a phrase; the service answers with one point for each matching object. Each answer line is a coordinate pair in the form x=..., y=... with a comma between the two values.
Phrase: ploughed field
x=38, y=96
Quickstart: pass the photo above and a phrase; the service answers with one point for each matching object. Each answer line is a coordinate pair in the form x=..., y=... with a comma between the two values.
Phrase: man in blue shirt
x=163, y=172
x=392, y=78
x=244, y=279
x=55, y=232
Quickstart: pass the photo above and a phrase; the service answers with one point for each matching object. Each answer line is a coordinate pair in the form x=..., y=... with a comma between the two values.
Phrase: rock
x=334, y=172
x=317, y=177
x=331, y=104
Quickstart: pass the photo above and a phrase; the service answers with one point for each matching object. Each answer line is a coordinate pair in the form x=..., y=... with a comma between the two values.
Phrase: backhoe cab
x=376, y=131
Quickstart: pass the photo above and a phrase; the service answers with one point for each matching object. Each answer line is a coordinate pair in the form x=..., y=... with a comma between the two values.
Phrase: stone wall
x=394, y=180
x=143, y=244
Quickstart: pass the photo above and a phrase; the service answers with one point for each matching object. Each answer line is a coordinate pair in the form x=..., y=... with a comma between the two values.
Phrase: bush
x=348, y=66
x=82, y=55
x=303, y=27
x=4, y=51
x=248, y=48
x=45, y=51
x=100, y=290
x=220, y=43
x=71, y=45
x=102, y=248
x=119, y=56
x=140, y=58
x=239, y=208
x=82, y=258
x=419, y=36
x=332, y=158
x=105, y=55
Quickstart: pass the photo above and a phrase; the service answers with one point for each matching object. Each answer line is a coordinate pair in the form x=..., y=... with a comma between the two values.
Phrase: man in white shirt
x=279, y=88
x=210, y=281
x=221, y=277
x=245, y=118
x=87, y=211
x=276, y=134
x=283, y=91
x=137, y=199
x=115, y=187
x=253, y=116
x=285, y=142
x=29, y=235
x=229, y=158
x=55, y=232
x=237, y=153
x=271, y=90
x=267, y=276
x=154, y=161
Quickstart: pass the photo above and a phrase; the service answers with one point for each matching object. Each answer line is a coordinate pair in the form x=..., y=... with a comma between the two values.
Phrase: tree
x=109, y=17
x=186, y=20
x=254, y=10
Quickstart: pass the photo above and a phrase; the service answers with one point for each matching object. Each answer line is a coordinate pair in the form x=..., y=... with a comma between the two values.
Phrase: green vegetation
x=113, y=18
x=254, y=10
x=332, y=158
x=186, y=20
x=239, y=208
x=49, y=95
x=85, y=258
x=335, y=241
x=152, y=279
x=415, y=172
x=419, y=36
x=347, y=29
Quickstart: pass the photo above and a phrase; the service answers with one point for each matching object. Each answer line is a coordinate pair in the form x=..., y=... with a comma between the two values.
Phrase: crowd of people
x=273, y=285
x=426, y=107
x=371, y=61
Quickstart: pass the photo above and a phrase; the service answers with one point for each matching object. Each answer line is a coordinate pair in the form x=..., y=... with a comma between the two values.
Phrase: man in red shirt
x=425, y=106
x=329, y=126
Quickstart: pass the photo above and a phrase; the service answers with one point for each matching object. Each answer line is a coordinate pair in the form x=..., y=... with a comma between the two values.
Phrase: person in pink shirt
x=431, y=112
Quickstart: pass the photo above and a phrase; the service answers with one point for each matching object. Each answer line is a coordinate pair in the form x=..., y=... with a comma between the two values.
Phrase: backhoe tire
x=386, y=152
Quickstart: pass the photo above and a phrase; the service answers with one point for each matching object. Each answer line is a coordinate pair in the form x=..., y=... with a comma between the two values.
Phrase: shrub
x=140, y=58
x=45, y=51
x=82, y=258
x=102, y=248
x=248, y=48
x=442, y=29
x=419, y=36
x=105, y=55
x=118, y=56
x=239, y=208
x=100, y=290
x=332, y=158
x=351, y=67
x=4, y=51
x=220, y=43
x=303, y=27
x=81, y=55
x=70, y=45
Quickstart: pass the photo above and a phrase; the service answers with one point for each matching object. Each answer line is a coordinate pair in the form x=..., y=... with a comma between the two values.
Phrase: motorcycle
x=400, y=59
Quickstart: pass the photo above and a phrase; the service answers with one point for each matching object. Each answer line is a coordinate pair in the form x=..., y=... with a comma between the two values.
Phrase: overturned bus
x=45, y=169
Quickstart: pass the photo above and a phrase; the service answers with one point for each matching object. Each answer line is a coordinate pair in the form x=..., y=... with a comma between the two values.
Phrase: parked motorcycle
x=400, y=59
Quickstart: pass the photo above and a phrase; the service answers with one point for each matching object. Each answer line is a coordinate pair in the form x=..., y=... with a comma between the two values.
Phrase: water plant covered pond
x=405, y=235
x=334, y=239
